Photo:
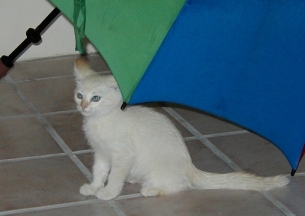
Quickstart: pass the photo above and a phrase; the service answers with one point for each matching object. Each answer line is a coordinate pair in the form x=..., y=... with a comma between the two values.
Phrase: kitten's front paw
x=106, y=194
x=148, y=192
x=87, y=190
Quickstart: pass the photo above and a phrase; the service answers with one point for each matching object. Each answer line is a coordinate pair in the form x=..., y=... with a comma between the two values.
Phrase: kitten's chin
x=84, y=112
x=88, y=112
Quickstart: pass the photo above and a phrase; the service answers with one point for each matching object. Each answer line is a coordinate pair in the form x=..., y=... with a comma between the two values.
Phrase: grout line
x=11, y=160
x=200, y=137
x=42, y=114
x=83, y=151
x=43, y=78
x=222, y=156
x=217, y=135
x=186, y=139
x=54, y=77
x=65, y=148
x=49, y=207
x=70, y=204
x=226, y=134
x=60, y=112
x=277, y=203
x=116, y=208
x=299, y=174
x=129, y=196
x=17, y=117
x=51, y=130
x=36, y=157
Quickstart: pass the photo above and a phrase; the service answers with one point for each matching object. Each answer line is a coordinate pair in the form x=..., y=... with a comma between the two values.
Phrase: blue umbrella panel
x=240, y=60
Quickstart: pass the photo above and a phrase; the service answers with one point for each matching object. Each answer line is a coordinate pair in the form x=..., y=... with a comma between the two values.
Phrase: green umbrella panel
x=126, y=33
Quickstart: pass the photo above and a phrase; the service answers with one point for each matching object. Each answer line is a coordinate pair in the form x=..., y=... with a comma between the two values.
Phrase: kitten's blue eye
x=79, y=96
x=95, y=98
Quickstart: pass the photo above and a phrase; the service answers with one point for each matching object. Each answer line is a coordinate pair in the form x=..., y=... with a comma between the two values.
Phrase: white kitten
x=139, y=145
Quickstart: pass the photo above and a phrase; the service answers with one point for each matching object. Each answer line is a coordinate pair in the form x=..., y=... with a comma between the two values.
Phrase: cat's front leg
x=101, y=169
x=88, y=189
x=120, y=169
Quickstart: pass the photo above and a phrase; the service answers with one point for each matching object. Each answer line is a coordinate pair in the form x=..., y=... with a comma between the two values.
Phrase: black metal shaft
x=33, y=36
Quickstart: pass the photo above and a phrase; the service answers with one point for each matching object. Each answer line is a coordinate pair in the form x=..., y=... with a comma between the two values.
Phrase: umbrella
x=242, y=60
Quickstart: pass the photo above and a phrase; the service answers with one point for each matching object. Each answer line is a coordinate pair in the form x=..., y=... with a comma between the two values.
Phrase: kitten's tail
x=237, y=181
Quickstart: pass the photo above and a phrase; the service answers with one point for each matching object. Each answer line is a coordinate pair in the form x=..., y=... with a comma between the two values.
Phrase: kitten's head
x=94, y=93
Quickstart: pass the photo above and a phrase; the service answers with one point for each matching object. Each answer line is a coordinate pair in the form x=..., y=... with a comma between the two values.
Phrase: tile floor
x=44, y=158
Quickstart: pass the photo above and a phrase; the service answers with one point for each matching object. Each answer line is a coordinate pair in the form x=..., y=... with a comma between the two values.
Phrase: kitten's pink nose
x=84, y=104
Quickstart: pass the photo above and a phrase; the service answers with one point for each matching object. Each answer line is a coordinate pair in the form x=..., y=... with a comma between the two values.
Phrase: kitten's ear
x=82, y=69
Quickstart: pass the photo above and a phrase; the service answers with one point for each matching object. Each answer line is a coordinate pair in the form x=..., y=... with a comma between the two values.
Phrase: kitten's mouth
x=84, y=112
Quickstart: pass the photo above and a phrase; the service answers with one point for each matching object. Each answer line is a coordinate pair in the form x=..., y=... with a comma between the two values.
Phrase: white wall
x=16, y=16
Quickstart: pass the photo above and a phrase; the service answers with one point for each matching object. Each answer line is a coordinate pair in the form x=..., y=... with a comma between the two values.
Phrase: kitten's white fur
x=140, y=145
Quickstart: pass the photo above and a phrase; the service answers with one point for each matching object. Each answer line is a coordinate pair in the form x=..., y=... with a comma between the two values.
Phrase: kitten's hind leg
x=100, y=172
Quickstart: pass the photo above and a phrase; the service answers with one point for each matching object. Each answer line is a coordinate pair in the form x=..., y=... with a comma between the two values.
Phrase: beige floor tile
x=206, y=160
x=204, y=123
x=294, y=195
x=40, y=182
x=209, y=202
x=253, y=154
x=2, y=81
x=183, y=130
x=50, y=95
x=59, y=66
x=69, y=127
x=11, y=103
x=96, y=209
x=24, y=137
